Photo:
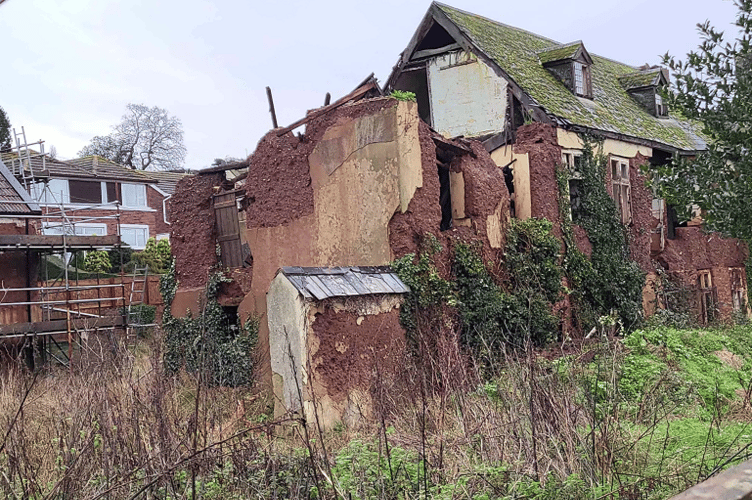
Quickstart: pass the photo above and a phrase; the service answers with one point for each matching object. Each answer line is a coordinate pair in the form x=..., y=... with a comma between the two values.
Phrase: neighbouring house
x=529, y=99
x=33, y=312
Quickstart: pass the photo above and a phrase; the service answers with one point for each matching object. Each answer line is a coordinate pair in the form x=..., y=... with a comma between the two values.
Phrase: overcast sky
x=71, y=66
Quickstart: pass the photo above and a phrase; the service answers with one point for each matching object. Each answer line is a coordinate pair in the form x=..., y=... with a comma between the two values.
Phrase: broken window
x=660, y=108
x=706, y=296
x=573, y=162
x=621, y=188
x=738, y=290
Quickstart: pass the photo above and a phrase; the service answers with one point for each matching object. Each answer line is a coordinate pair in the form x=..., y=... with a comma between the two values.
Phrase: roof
x=649, y=77
x=102, y=168
x=560, y=52
x=324, y=282
x=81, y=168
x=15, y=199
x=515, y=52
x=166, y=180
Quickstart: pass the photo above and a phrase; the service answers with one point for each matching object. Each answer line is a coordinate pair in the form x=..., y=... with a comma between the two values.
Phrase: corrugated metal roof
x=324, y=282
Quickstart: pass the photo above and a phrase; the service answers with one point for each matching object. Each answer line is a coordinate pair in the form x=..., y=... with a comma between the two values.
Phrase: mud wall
x=353, y=345
x=693, y=251
x=643, y=221
x=363, y=165
x=539, y=142
x=192, y=234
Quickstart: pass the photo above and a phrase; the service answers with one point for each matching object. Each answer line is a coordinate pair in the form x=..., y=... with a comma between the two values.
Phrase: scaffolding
x=57, y=309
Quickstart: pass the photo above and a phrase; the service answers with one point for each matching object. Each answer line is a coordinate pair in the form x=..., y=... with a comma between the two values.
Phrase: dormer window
x=645, y=86
x=571, y=64
x=579, y=78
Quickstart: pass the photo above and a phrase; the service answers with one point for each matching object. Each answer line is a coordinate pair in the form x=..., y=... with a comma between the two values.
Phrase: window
x=738, y=290
x=706, y=295
x=87, y=192
x=621, y=188
x=55, y=191
x=579, y=78
x=135, y=235
x=134, y=195
x=77, y=229
x=660, y=108
x=572, y=160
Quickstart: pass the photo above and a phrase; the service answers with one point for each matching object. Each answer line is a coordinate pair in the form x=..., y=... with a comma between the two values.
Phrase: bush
x=119, y=258
x=97, y=261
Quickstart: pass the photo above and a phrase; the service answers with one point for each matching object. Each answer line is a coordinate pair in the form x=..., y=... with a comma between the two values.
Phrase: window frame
x=125, y=189
x=126, y=227
x=569, y=158
x=621, y=187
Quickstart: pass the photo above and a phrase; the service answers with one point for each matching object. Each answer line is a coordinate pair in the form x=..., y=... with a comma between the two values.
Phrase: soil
x=350, y=354
x=192, y=236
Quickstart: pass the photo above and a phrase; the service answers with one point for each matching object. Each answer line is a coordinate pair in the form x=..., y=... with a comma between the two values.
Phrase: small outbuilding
x=334, y=333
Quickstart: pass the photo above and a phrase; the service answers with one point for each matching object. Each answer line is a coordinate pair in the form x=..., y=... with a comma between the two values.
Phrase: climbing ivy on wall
x=493, y=316
x=213, y=344
x=610, y=281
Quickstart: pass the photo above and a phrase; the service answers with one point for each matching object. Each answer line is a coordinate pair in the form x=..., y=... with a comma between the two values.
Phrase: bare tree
x=145, y=139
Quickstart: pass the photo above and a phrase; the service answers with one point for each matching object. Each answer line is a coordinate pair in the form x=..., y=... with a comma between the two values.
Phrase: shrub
x=97, y=261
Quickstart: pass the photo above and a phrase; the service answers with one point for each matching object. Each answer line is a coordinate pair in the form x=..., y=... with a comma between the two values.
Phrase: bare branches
x=145, y=139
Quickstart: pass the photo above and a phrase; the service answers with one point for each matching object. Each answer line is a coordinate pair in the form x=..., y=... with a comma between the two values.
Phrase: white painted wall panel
x=467, y=97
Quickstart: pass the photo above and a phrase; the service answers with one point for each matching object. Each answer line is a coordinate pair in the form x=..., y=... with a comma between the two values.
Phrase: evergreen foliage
x=212, y=344
x=714, y=86
x=609, y=281
x=5, y=131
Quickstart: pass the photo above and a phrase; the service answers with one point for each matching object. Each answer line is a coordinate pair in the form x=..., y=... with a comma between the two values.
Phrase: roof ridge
x=560, y=46
x=439, y=4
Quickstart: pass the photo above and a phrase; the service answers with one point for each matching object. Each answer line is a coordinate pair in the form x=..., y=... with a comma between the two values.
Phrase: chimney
x=94, y=163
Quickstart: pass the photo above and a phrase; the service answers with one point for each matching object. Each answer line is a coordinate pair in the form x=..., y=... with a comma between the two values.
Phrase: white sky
x=69, y=67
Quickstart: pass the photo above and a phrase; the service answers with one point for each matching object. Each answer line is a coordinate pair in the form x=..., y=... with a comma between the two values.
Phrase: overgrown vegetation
x=493, y=317
x=609, y=283
x=642, y=419
x=213, y=343
x=403, y=95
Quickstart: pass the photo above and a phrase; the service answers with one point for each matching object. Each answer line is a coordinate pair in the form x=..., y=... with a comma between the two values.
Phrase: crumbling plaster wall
x=328, y=357
x=361, y=165
x=355, y=346
x=478, y=96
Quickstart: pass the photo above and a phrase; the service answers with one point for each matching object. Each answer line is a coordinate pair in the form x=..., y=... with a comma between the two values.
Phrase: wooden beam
x=357, y=93
x=271, y=106
x=420, y=54
x=39, y=241
x=41, y=327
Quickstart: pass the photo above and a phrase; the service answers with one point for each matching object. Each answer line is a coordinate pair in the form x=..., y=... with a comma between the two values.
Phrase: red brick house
x=131, y=203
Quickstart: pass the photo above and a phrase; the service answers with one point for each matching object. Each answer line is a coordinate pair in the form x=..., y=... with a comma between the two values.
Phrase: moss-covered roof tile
x=612, y=109
x=642, y=78
x=559, y=52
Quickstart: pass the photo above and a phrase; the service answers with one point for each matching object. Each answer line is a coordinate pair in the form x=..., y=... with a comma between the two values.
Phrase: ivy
x=214, y=343
x=610, y=281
